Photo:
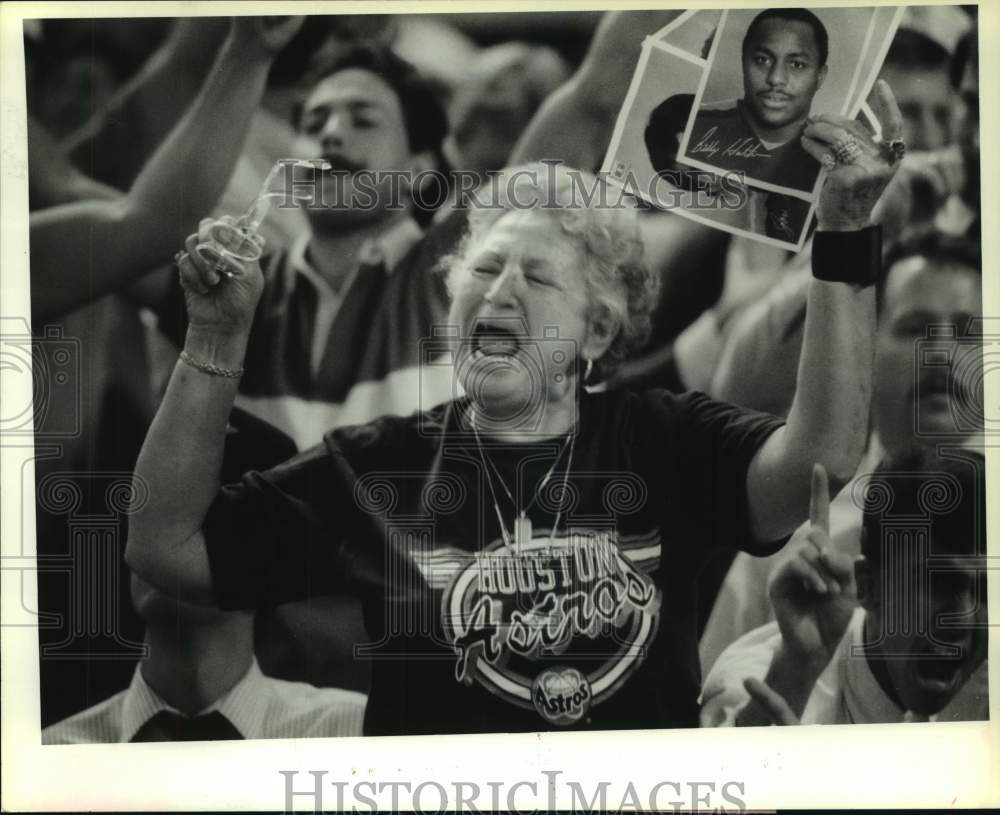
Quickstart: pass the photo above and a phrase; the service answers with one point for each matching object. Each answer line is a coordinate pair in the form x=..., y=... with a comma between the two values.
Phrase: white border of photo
x=906, y=766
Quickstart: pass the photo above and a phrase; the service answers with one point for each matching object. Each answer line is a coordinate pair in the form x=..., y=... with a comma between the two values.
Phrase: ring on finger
x=846, y=150
x=894, y=149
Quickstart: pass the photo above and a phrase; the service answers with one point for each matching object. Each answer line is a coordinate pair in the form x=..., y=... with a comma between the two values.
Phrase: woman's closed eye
x=486, y=269
x=540, y=280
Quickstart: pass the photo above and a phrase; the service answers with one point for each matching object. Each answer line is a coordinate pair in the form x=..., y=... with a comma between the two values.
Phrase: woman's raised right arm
x=179, y=465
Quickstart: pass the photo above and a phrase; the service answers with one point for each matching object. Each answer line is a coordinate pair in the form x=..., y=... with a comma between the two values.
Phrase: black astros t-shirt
x=588, y=621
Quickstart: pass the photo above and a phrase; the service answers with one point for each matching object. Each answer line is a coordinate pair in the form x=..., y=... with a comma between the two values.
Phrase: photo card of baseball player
x=643, y=158
x=646, y=153
x=769, y=71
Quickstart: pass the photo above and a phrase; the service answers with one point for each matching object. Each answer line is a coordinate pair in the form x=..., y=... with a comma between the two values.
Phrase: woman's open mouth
x=496, y=337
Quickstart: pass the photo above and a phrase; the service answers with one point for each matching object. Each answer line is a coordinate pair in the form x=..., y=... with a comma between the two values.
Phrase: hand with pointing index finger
x=812, y=589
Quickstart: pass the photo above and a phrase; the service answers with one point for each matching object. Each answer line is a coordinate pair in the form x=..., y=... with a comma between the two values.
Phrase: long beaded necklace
x=522, y=523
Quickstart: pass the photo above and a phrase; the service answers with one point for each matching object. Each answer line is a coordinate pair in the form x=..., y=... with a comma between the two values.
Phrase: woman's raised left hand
x=859, y=166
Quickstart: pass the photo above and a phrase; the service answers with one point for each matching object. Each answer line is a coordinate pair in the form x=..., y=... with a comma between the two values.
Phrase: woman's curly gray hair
x=604, y=224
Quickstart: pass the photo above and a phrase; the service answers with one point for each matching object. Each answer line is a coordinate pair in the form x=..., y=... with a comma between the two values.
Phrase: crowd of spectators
x=144, y=135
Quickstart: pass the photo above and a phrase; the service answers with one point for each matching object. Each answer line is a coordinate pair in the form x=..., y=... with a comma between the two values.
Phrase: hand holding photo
x=859, y=163
x=719, y=139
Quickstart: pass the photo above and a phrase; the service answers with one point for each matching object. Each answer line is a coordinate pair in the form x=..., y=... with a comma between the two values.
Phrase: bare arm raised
x=83, y=250
x=828, y=420
x=181, y=458
x=574, y=124
x=112, y=146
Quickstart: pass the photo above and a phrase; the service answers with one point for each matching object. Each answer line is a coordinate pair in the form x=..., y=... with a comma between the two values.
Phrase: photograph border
x=940, y=764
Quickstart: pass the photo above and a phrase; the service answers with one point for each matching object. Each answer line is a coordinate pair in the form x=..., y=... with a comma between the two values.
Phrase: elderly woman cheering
x=526, y=552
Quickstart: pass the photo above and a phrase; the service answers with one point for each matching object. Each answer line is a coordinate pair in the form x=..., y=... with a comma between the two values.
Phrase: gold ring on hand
x=846, y=150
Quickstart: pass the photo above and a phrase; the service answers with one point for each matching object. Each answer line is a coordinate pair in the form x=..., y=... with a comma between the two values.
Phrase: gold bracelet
x=209, y=368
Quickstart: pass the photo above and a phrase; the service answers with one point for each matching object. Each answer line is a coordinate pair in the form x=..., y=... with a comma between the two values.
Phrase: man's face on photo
x=781, y=72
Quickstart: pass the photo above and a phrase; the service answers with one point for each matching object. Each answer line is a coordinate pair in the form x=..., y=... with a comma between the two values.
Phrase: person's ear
x=863, y=582
x=601, y=332
x=821, y=77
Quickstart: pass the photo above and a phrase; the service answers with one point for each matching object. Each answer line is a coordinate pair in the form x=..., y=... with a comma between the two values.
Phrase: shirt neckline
x=454, y=425
x=387, y=249
x=243, y=705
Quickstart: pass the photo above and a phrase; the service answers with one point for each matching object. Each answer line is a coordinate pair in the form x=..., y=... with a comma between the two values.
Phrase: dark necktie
x=167, y=726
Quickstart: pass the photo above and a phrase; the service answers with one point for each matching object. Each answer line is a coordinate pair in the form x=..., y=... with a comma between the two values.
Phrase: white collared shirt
x=847, y=692
x=258, y=706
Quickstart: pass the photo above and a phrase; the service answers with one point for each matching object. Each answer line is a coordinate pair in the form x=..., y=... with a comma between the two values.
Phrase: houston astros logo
x=556, y=627
x=561, y=695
